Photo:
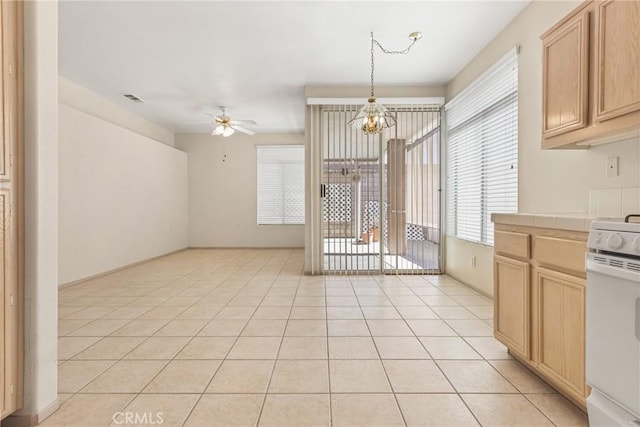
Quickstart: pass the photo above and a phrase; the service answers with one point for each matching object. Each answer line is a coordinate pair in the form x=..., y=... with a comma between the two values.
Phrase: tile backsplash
x=614, y=202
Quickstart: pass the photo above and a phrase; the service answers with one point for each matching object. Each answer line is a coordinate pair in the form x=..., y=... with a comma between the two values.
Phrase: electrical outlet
x=473, y=261
x=612, y=166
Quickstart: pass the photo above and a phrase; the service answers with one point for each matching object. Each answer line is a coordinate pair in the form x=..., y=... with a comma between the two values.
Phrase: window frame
x=283, y=217
x=507, y=105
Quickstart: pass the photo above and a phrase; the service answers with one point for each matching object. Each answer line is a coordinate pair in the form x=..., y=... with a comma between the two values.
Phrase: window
x=280, y=184
x=482, y=152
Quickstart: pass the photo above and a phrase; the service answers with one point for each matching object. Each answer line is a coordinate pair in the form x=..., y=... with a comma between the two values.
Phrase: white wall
x=550, y=181
x=223, y=195
x=82, y=99
x=41, y=208
x=459, y=255
x=123, y=196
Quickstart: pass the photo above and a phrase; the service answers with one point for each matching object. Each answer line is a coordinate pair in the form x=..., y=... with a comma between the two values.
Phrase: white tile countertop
x=572, y=222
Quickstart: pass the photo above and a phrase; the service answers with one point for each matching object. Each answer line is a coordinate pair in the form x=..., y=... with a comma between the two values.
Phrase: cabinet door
x=561, y=302
x=565, y=77
x=511, y=315
x=617, y=82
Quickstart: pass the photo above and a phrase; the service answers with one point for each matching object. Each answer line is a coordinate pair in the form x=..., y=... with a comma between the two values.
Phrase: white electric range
x=613, y=323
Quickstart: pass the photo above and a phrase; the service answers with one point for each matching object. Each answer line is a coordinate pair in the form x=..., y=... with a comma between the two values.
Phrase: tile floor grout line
x=458, y=393
x=275, y=363
x=149, y=337
x=158, y=373
x=326, y=315
x=539, y=410
x=479, y=393
x=384, y=369
x=438, y=366
x=449, y=381
x=227, y=353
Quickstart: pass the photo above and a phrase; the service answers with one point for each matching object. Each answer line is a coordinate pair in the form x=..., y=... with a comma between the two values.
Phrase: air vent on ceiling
x=132, y=97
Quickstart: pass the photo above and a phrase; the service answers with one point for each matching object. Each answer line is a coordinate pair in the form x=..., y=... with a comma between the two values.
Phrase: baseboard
x=115, y=270
x=30, y=420
x=468, y=285
x=47, y=412
x=245, y=247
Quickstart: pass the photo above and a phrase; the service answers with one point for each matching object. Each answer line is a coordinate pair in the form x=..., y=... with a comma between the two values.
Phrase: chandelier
x=373, y=117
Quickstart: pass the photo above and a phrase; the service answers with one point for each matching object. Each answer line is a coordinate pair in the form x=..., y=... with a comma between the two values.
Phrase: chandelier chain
x=372, y=65
x=395, y=52
x=375, y=42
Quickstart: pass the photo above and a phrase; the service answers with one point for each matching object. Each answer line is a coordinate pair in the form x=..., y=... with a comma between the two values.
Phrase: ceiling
x=185, y=58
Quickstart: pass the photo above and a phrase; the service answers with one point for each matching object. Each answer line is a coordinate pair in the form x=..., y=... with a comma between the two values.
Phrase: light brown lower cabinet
x=511, y=317
x=561, y=328
x=539, y=303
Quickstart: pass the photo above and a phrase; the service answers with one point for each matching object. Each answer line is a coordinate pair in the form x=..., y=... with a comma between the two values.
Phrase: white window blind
x=482, y=152
x=280, y=184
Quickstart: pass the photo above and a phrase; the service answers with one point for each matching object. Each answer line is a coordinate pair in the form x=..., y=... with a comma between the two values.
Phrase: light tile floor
x=240, y=337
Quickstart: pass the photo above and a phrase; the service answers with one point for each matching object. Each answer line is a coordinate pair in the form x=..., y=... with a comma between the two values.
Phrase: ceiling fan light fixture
x=228, y=131
x=223, y=125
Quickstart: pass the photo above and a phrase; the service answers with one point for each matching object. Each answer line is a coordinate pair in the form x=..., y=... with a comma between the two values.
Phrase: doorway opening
x=381, y=193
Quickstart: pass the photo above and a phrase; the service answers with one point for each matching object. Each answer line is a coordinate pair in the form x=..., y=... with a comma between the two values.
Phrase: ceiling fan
x=226, y=127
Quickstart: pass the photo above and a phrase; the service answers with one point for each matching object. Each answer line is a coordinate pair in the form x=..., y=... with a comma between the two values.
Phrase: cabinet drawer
x=563, y=254
x=512, y=244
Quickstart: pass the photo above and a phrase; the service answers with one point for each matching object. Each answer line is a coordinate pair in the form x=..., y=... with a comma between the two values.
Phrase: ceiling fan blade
x=243, y=122
x=243, y=130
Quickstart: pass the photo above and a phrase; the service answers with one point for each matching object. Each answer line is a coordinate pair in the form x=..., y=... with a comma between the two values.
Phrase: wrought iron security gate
x=381, y=193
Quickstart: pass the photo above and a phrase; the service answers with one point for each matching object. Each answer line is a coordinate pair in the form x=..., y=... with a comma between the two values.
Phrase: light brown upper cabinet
x=591, y=75
x=617, y=71
x=566, y=77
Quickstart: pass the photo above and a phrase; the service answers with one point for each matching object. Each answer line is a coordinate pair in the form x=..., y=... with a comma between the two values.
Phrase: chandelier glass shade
x=373, y=117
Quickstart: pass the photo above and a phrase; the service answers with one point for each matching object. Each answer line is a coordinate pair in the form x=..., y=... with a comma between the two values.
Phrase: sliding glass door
x=381, y=193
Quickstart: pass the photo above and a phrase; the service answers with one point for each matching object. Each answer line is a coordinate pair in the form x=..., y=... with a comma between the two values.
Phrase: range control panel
x=620, y=242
